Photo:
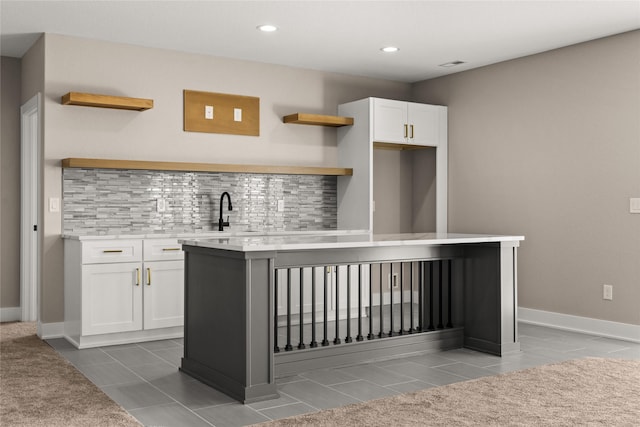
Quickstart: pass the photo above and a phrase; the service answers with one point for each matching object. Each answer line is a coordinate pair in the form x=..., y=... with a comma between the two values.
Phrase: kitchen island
x=411, y=284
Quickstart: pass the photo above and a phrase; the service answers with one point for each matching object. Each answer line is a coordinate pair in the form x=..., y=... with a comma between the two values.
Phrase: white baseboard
x=586, y=325
x=10, y=314
x=50, y=330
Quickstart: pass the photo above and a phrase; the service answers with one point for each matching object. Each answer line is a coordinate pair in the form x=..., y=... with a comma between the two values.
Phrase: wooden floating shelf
x=318, y=120
x=202, y=167
x=107, y=101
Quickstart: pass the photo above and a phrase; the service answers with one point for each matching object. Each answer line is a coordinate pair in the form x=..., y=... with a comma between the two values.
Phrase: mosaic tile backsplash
x=104, y=201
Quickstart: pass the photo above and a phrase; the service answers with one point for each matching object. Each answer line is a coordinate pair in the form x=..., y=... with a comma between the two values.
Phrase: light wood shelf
x=106, y=101
x=202, y=167
x=318, y=120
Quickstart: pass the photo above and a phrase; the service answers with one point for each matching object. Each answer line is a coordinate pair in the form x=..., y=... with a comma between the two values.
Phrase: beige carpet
x=40, y=388
x=585, y=392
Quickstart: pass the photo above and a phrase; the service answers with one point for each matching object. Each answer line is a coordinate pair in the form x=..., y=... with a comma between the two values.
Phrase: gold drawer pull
x=406, y=126
x=411, y=132
x=170, y=249
x=148, y=277
x=137, y=277
x=112, y=251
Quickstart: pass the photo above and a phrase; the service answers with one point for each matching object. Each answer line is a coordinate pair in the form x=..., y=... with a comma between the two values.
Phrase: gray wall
x=74, y=64
x=10, y=182
x=549, y=146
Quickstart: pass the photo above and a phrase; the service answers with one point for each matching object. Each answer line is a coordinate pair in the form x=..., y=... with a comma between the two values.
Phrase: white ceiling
x=337, y=36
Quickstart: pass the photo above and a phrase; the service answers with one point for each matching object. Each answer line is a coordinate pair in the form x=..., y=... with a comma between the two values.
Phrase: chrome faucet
x=221, y=222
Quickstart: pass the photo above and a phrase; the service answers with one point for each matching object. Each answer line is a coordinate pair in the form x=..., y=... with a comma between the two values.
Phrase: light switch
x=281, y=205
x=54, y=204
x=208, y=112
x=634, y=205
x=237, y=114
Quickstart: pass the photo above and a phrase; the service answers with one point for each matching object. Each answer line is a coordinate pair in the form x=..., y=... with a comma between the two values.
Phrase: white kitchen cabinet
x=399, y=122
x=411, y=189
x=123, y=290
x=163, y=294
x=111, y=298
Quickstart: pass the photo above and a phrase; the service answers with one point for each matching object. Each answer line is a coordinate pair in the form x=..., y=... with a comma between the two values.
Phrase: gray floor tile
x=190, y=392
x=429, y=375
x=131, y=356
x=328, y=376
x=159, y=345
x=232, y=415
x=465, y=370
x=89, y=356
x=171, y=398
x=376, y=374
x=108, y=374
x=411, y=386
x=169, y=415
x=60, y=344
x=316, y=395
x=364, y=390
x=153, y=371
x=471, y=357
x=136, y=395
x=287, y=410
x=172, y=355
x=629, y=353
x=272, y=403
x=289, y=379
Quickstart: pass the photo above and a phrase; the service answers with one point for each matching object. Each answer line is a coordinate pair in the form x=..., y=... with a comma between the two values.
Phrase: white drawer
x=109, y=251
x=162, y=249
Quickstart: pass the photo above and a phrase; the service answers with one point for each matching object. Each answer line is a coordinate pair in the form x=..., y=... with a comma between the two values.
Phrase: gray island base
x=259, y=307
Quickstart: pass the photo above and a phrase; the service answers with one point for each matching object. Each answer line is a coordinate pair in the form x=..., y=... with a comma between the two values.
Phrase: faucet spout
x=221, y=222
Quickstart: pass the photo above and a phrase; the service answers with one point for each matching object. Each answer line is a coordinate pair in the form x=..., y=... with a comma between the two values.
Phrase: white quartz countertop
x=207, y=234
x=255, y=243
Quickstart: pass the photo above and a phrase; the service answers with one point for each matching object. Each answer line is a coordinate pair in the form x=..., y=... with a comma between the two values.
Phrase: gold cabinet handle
x=406, y=126
x=411, y=132
x=170, y=249
x=137, y=277
x=148, y=277
x=112, y=251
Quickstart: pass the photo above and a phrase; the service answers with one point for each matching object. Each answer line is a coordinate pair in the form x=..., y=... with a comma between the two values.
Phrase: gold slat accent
x=202, y=167
x=106, y=101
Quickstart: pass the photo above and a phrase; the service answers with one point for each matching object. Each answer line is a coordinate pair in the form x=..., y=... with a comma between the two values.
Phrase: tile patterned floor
x=143, y=378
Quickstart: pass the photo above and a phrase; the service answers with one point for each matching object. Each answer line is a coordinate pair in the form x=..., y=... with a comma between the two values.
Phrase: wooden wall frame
x=232, y=114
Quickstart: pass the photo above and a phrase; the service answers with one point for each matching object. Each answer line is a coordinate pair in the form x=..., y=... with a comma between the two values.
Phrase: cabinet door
x=390, y=121
x=424, y=124
x=163, y=294
x=111, y=298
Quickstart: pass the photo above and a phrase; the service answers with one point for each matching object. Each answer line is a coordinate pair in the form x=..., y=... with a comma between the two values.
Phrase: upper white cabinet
x=399, y=122
x=412, y=188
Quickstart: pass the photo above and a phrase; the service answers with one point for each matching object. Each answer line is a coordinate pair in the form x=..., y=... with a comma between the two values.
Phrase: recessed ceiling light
x=389, y=49
x=452, y=64
x=267, y=28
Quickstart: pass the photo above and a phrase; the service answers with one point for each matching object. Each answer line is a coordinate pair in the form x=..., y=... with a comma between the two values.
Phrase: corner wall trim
x=10, y=314
x=586, y=325
x=50, y=330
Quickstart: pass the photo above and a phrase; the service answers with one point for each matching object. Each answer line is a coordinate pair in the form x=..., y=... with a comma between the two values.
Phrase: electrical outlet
x=393, y=282
x=607, y=292
x=281, y=205
x=208, y=112
x=161, y=205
